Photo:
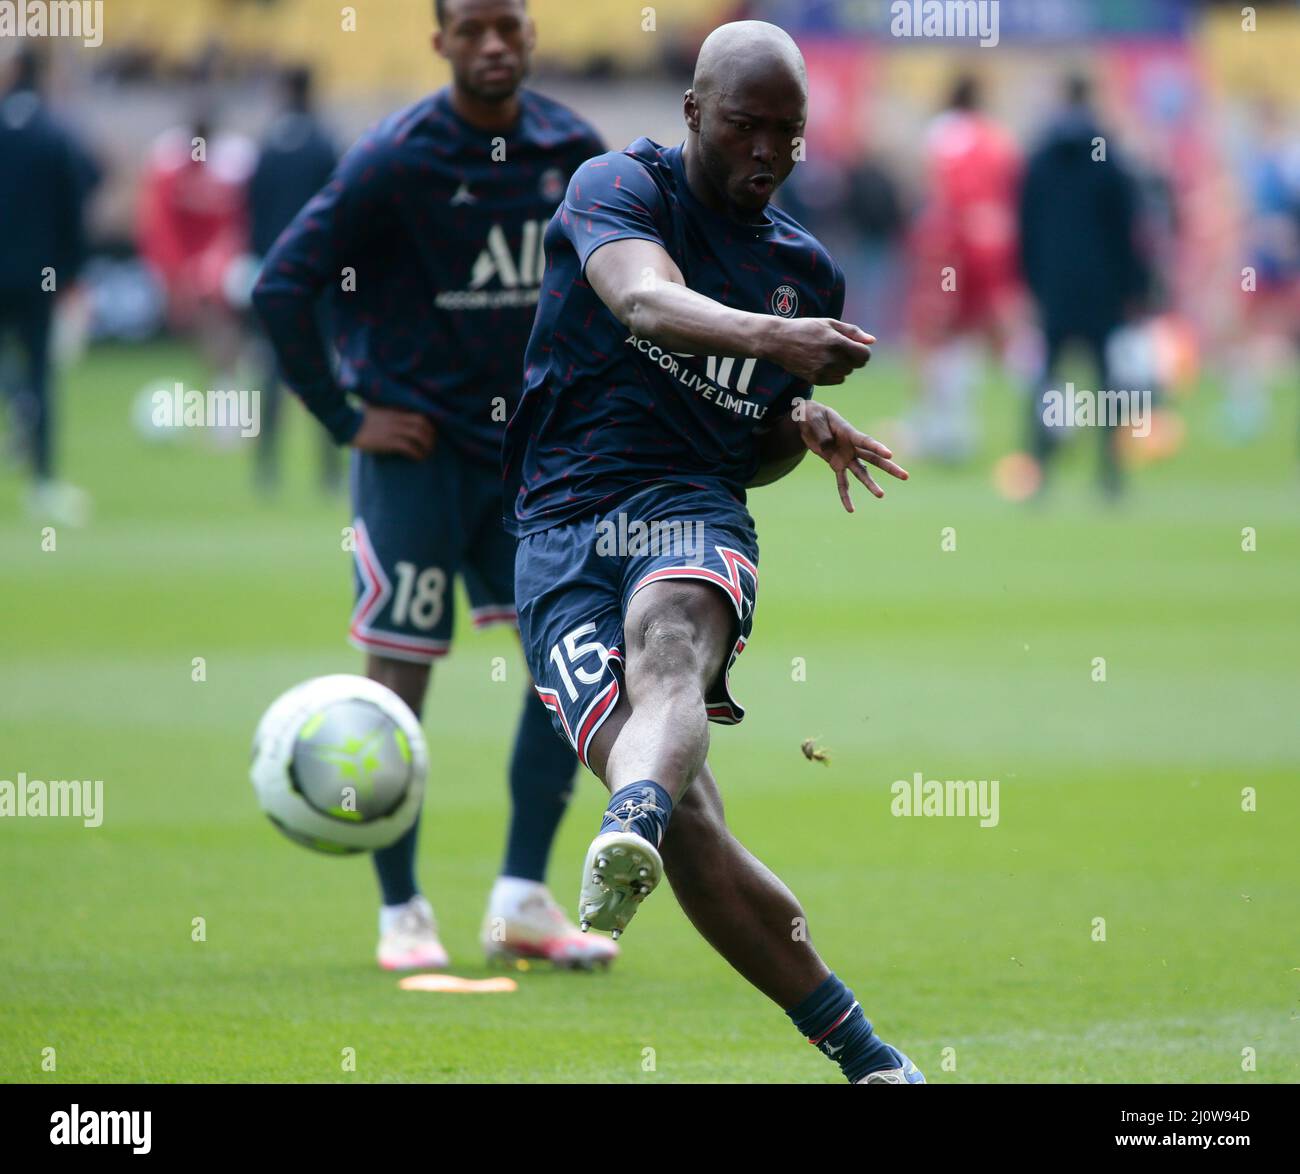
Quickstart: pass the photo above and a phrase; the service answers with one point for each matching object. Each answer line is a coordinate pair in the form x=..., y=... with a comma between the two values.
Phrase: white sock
x=509, y=892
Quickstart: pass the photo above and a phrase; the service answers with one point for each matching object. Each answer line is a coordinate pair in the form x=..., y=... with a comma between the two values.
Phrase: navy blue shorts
x=419, y=524
x=574, y=582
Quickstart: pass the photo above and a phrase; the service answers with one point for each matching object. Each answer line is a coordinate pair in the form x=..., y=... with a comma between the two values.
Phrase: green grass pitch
x=1119, y=799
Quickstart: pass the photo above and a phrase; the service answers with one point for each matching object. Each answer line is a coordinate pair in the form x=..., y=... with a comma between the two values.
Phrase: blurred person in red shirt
x=192, y=229
x=965, y=295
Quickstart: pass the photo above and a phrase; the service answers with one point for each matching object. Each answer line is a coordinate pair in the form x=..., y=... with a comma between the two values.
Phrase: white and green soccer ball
x=339, y=764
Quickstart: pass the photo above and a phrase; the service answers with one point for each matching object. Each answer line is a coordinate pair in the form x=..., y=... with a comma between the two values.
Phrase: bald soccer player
x=681, y=325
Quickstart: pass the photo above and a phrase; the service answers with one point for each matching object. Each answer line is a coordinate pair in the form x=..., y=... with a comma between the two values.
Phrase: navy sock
x=542, y=766
x=642, y=808
x=395, y=867
x=831, y=1020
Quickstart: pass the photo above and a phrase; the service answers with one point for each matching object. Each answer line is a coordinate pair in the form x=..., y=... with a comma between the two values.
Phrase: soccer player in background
x=967, y=226
x=1267, y=330
x=432, y=230
x=682, y=323
x=192, y=231
x=294, y=161
x=45, y=178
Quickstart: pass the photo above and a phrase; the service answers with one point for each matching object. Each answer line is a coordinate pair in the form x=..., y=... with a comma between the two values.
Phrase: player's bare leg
x=408, y=680
x=740, y=907
x=408, y=932
x=678, y=634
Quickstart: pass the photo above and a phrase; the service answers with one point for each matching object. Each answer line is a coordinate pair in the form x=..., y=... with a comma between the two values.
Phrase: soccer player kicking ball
x=430, y=233
x=682, y=322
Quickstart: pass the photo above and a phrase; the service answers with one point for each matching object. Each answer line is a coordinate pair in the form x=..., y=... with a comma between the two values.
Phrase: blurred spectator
x=193, y=232
x=45, y=179
x=1079, y=224
x=965, y=290
x=1270, y=320
x=856, y=212
x=1158, y=216
x=874, y=207
x=295, y=160
x=873, y=262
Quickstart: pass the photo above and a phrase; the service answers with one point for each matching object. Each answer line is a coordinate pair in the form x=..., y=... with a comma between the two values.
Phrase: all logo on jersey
x=551, y=186
x=497, y=260
x=715, y=385
x=516, y=274
x=785, y=301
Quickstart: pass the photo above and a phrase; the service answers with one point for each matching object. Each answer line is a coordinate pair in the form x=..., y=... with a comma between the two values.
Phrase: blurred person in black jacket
x=296, y=159
x=1079, y=213
x=45, y=179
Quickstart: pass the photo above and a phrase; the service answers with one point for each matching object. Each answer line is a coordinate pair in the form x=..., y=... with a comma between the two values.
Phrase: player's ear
x=437, y=43
x=530, y=33
x=691, y=109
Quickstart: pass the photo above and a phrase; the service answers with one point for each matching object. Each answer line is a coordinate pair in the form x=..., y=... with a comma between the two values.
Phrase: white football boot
x=59, y=504
x=524, y=924
x=410, y=941
x=621, y=871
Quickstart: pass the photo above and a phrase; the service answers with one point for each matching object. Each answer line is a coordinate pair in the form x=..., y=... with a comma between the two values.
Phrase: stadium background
x=1121, y=799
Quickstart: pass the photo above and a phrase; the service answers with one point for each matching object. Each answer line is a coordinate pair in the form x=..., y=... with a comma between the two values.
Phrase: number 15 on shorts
x=567, y=654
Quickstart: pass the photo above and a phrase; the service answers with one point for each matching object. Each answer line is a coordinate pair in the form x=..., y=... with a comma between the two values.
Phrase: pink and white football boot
x=408, y=938
x=524, y=924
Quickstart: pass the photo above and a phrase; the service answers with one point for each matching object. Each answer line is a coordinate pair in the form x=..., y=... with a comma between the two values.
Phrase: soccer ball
x=339, y=764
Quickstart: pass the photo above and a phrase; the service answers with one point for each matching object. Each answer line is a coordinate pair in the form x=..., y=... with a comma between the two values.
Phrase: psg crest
x=552, y=184
x=785, y=301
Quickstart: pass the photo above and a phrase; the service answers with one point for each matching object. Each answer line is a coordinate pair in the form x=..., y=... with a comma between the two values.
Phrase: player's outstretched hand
x=821, y=351
x=845, y=449
x=409, y=434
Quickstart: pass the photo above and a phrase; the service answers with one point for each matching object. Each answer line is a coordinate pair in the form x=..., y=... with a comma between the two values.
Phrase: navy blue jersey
x=45, y=178
x=296, y=159
x=430, y=235
x=605, y=412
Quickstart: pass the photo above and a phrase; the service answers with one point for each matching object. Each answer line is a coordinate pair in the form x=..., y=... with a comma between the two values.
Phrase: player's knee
x=677, y=630
x=667, y=646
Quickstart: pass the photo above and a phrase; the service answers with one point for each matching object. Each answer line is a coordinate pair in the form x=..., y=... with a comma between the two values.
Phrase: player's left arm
x=822, y=430
x=780, y=451
x=811, y=426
